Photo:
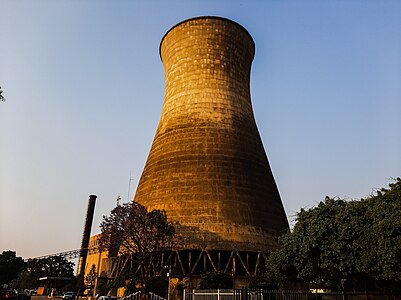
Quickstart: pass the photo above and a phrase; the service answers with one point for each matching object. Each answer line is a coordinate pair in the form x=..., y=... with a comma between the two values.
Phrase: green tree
x=157, y=285
x=1, y=96
x=380, y=245
x=10, y=266
x=140, y=234
x=52, y=266
x=90, y=278
x=344, y=244
x=216, y=280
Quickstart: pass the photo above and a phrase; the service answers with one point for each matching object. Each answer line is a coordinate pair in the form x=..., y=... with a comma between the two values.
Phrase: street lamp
x=168, y=274
x=343, y=280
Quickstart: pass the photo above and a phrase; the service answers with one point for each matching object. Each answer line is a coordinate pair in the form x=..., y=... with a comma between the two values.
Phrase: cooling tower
x=207, y=166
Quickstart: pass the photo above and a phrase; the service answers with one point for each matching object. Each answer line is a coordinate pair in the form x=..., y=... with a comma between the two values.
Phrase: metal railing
x=71, y=254
x=260, y=294
x=134, y=296
x=219, y=294
x=153, y=296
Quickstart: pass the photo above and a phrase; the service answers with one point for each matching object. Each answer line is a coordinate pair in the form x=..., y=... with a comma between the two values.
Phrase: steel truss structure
x=192, y=263
x=71, y=254
x=185, y=263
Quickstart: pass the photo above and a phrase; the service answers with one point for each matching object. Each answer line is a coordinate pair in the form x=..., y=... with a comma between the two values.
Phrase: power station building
x=207, y=167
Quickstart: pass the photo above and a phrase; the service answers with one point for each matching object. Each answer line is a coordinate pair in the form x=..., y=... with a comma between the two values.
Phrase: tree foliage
x=10, y=266
x=52, y=266
x=138, y=233
x=216, y=280
x=1, y=96
x=157, y=285
x=90, y=278
x=351, y=243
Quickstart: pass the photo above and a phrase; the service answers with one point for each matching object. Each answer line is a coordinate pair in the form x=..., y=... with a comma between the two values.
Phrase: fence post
x=244, y=293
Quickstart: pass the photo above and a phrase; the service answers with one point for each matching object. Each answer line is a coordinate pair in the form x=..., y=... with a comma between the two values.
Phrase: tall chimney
x=86, y=236
x=207, y=166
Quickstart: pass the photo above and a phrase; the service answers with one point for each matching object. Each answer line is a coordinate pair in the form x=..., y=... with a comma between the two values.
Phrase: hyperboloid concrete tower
x=207, y=166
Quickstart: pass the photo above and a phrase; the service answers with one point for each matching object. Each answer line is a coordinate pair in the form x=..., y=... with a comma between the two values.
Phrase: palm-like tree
x=1, y=96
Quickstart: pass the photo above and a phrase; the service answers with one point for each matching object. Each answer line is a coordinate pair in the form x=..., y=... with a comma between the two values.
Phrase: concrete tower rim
x=206, y=17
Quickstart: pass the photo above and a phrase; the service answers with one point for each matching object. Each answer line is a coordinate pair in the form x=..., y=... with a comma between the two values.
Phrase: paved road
x=45, y=298
x=52, y=298
x=41, y=298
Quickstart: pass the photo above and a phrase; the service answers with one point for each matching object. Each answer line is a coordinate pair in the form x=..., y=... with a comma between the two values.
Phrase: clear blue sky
x=84, y=86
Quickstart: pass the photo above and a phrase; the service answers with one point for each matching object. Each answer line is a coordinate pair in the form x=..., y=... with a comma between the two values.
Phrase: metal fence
x=260, y=294
x=134, y=296
x=153, y=296
x=208, y=295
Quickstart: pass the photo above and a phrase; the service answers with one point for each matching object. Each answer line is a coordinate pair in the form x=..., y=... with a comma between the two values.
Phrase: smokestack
x=86, y=235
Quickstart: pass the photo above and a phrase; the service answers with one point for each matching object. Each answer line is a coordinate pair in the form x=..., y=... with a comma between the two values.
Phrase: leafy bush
x=216, y=280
